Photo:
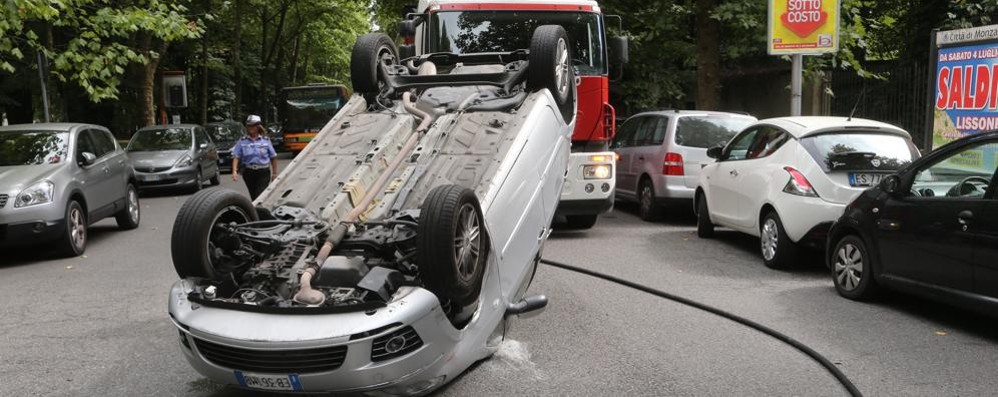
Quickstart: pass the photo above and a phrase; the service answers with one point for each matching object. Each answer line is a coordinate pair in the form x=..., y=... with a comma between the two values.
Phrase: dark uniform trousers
x=256, y=180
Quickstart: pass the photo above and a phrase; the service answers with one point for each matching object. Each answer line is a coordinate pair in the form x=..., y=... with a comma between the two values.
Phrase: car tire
x=198, y=181
x=580, y=222
x=778, y=251
x=216, y=180
x=195, y=235
x=550, y=66
x=365, y=58
x=705, y=228
x=852, y=269
x=128, y=218
x=74, y=239
x=648, y=207
x=451, y=244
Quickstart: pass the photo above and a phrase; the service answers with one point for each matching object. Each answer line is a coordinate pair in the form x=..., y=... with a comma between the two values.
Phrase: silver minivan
x=56, y=179
x=660, y=154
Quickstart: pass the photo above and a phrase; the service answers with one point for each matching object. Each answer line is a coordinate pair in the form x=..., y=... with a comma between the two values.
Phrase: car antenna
x=858, y=100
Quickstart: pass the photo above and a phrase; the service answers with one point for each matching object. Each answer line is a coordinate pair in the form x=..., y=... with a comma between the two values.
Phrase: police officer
x=256, y=154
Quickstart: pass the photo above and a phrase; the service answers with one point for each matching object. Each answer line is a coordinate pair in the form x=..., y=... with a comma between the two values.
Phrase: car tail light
x=798, y=184
x=609, y=121
x=673, y=164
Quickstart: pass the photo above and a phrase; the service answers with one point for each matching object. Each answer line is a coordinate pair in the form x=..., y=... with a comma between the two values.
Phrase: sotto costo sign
x=803, y=27
x=966, y=84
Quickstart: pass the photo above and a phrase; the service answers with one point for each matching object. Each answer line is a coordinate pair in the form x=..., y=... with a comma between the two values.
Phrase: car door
x=207, y=152
x=721, y=179
x=117, y=164
x=986, y=226
x=752, y=176
x=623, y=146
x=93, y=177
x=648, y=155
x=931, y=238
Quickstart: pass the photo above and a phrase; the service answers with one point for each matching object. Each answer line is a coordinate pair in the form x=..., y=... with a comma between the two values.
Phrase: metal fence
x=900, y=98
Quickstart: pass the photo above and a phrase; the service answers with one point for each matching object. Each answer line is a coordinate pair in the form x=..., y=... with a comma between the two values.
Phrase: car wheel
x=128, y=218
x=705, y=228
x=451, y=244
x=648, y=208
x=551, y=67
x=216, y=180
x=198, y=243
x=198, y=181
x=580, y=222
x=778, y=252
x=852, y=269
x=368, y=52
x=74, y=240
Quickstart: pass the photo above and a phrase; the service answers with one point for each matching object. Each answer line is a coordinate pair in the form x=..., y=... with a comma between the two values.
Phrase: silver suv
x=57, y=179
x=661, y=153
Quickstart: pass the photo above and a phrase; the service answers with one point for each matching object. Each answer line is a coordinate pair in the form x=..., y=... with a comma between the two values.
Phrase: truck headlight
x=601, y=171
x=39, y=193
x=184, y=161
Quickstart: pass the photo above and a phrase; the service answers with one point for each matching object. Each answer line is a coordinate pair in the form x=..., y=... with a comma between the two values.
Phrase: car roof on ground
x=46, y=126
x=802, y=126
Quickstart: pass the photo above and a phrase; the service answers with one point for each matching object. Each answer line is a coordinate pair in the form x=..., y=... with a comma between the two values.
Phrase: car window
x=33, y=147
x=84, y=144
x=151, y=140
x=860, y=151
x=646, y=131
x=660, y=129
x=202, y=136
x=767, y=141
x=102, y=142
x=708, y=131
x=738, y=148
x=626, y=133
x=964, y=174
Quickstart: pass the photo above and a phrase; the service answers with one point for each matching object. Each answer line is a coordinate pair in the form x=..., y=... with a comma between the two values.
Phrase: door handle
x=734, y=172
x=965, y=217
x=641, y=159
x=106, y=170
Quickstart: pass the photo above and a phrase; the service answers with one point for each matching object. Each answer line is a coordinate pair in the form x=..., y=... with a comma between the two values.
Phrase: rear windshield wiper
x=853, y=154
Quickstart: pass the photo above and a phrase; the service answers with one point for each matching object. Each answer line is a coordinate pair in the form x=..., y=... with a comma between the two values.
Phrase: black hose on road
x=841, y=377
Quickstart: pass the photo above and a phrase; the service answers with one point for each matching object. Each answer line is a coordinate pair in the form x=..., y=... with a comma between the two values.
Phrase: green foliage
x=102, y=33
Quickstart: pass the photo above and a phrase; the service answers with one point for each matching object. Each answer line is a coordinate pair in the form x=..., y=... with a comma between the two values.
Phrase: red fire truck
x=463, y=26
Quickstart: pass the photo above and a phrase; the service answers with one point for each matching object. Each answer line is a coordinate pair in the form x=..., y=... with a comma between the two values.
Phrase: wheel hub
x=848, y=267
x=770, y=238
x=467, y=242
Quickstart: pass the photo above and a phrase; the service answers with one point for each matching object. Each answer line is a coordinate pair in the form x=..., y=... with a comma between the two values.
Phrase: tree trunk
x=204, y=69
x=149, y=77
x=238, y=75
x=708, y=57
x=294, y=61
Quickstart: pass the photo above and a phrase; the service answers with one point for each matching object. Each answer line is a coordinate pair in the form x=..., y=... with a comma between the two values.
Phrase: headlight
x=39, y=193
x=184, y=161
x=601, y=171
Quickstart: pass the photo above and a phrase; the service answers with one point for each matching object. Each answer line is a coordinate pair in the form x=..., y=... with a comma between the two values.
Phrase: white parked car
x=661, y=154
x=389, y=255
x=786, y=180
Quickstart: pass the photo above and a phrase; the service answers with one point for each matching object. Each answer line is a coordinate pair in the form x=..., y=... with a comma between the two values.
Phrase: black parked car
x=225, y=134
x=931, y=229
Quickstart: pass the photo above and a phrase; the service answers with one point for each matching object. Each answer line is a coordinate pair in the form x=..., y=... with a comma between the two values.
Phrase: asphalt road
x=97, y=325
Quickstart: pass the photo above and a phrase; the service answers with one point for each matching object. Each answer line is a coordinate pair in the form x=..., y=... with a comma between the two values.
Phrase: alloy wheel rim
x=770, y=235
x=133, y=205
x=467, y=242
x=646, y=198
x=848, y=267
x=77, y=229
x=561, y=75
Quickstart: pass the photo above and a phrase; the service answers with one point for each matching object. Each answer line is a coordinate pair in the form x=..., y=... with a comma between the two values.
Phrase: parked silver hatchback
x=179, y=155
x=56, y=179
x=660, y=154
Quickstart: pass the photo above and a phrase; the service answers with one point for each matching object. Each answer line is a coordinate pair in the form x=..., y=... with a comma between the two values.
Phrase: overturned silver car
x=388, y=257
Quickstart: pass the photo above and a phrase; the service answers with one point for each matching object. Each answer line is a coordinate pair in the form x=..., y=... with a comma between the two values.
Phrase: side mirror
x=890, y=184
x=87, y=158
x=203, y=146
x=618, y=49
x=407, y=28
x=715, y=152
x=407, y=51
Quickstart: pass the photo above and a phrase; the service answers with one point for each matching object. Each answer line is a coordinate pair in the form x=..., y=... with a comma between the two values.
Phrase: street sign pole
x=797, y=74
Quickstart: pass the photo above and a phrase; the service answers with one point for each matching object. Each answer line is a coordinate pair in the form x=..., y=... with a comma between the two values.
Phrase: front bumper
x=417, y=370
x=22, y=233
x=582, y=196
x=175, y=177
x=224, y=161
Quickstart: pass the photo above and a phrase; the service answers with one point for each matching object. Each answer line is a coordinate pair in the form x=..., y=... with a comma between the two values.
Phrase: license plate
x=859, y=179
x=150, y=178
x=269, y=382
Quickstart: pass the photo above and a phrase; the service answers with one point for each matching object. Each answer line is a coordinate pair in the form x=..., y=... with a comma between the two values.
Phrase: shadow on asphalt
x=46, y=251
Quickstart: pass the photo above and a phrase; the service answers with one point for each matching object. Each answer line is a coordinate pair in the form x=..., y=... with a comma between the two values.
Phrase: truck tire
x=551, y=67
x=451, y=244
x=195, y=235
x=367, y=54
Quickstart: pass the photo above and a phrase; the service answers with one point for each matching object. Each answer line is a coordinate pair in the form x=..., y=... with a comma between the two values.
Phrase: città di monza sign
x=965, y=86
x=806, y=27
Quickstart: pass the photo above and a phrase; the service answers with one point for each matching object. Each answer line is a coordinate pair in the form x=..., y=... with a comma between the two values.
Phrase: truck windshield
x=310, y=108
x=500, y=31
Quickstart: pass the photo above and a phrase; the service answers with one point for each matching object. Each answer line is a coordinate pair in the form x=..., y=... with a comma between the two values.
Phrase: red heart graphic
x=804, y=29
